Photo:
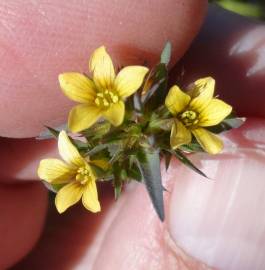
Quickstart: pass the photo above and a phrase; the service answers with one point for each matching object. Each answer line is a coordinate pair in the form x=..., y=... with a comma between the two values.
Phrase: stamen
x=83, y=175
x=114, y=99
x=189, y=118
x=105, y=98
x=105, y=102
x=97, y=101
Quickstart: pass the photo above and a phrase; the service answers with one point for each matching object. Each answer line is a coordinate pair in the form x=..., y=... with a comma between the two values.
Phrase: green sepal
x=148, y=163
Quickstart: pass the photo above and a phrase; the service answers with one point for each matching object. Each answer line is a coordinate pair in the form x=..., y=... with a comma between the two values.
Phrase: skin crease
x=101, y=248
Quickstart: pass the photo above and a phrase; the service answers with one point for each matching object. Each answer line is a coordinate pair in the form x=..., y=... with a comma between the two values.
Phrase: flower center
x=106, y=98
x=83, y=175
x=189, y=118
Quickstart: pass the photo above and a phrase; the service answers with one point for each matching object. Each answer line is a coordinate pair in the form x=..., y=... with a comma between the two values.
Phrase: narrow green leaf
x=151, y=174
x=166, y=54
x=182, y=158
x=51, y=132
x=227, y=124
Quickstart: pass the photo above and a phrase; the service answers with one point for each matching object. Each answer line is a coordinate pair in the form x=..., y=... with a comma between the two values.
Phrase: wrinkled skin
x=217, y=224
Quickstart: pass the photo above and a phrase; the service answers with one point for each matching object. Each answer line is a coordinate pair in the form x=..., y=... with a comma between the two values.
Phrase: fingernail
x=221, y=222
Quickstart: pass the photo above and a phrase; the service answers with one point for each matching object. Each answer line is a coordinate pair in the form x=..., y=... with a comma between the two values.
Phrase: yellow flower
x=195, y=110
x=102, y=96
x=75, y=172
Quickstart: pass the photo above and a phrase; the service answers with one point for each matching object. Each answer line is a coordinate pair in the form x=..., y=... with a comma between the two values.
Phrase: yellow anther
x=97, y=101
x=106, y=98
x=189, y=118
x=114, y=98
x=189, y=115
x=78, y=177
x=105, y=102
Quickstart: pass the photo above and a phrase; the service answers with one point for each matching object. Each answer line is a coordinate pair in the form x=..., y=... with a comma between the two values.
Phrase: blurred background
x=249, y=8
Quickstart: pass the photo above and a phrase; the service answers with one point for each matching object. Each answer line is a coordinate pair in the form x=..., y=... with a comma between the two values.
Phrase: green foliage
x=244, y=7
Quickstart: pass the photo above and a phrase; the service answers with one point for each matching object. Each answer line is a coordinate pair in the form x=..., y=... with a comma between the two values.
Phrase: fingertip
x=134, y=32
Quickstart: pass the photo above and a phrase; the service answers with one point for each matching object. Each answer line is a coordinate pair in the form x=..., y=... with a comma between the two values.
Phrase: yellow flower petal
x=77, y=87
x=115, y=114
x=90, y=197
x=209, y=142
x=102, y=67
x=214, y=113
x=129, y=80
x=101, y=163
x=55, y=171
x=202, y=93
x=68, y=195
x=179, y=135
x=176, y=100
x=82, y=117
x=68, y=151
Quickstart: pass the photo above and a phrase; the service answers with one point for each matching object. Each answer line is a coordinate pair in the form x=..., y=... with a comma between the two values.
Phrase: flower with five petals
x=75, y=172
x=102, y=96
x=195, y=110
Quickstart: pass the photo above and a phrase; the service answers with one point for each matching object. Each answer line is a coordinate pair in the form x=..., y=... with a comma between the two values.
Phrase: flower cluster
x=125, y=123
